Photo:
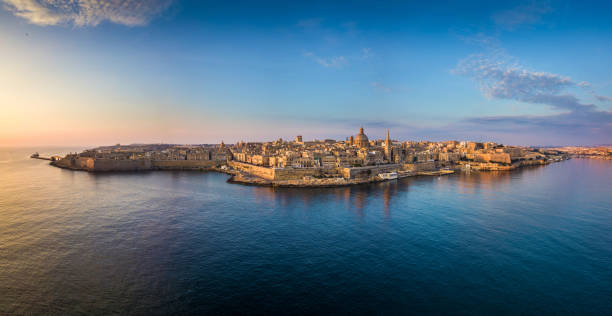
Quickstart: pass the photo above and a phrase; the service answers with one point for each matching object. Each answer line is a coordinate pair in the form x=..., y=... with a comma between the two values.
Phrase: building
x=388, y=148
x=361, y=140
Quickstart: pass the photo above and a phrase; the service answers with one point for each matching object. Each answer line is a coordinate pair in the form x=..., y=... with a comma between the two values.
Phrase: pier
x=37, y=156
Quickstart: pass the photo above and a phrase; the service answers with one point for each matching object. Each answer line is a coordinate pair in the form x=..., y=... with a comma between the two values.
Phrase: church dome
x=361, y=140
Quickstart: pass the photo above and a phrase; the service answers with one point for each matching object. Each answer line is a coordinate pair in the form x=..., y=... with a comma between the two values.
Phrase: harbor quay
x=299, y=163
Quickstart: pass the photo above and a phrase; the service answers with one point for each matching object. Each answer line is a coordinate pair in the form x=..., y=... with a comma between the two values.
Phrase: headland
x=317, y=163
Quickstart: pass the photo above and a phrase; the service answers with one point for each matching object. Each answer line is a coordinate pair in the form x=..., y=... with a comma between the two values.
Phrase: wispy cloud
x=335, y=42
x=527, y=14
x=341, y=60
x=500, y=78
x=335, y=62
x=87, y=12
x=309, y=23
x=381, y=87
x=602, y=98
x=480, y=39
x=366, y=53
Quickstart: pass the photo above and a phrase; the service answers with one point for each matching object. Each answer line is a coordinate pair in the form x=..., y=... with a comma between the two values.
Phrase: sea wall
x=77, y=163
x=104, y=165
x=369, y=171
x=183, y=164
x=284, y=174
x=490, y=157
x=277, y=174
x=294, y=174
x=419, y=166
x=262, y=172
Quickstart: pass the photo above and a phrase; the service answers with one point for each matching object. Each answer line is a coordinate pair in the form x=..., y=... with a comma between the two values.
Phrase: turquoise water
x=535, y=241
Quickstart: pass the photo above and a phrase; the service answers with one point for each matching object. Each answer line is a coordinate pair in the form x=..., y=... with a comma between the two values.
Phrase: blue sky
x=88, y=73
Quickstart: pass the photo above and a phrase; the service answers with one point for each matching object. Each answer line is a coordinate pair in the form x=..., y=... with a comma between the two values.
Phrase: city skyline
x=518, y=73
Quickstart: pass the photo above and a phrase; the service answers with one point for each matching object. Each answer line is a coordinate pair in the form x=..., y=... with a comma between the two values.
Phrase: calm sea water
x=535, y=241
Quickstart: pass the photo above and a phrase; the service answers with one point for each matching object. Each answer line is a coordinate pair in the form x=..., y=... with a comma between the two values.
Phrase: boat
x=388, y=175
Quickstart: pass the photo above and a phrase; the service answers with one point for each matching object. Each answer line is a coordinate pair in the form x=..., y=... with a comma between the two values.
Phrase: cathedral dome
x=361, y=140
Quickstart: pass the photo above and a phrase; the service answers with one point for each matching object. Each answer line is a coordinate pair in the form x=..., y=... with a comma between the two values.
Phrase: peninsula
x=302, y=163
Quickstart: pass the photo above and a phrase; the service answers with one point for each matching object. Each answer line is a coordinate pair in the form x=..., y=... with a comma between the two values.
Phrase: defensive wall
x=262, y=172
x=105, y=165
x=419, y=166
x=299, y=173
x=280, y=174
x=118, y=165
x=368, y=171
x=183, y=164
x=277, y=173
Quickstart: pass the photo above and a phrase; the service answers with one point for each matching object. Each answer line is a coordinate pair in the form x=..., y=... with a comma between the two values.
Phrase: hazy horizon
x=532, y=73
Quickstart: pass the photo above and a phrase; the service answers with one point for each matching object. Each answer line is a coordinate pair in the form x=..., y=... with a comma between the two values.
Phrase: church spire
x=388, y=148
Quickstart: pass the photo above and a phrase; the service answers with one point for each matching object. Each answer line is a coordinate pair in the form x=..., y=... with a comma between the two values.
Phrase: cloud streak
x=82, y=13
x=501, y=79
x=381, y=87
x=528, y=14
x=602, y=98
x=334, y=62
x=339, y=61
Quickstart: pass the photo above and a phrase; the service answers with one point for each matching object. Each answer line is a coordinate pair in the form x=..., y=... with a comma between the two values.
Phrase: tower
x=388, y=148
x=388, y=139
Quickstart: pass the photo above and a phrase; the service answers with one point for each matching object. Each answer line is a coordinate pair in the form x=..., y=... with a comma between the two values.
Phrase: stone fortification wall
x=490, y=157
x=105, y=165
x=62, y=163
x=369, y=171
x=83, y=162
x=183, y=164
x=296, y=173
x=80, y=163
x=118, y=165
x=420, y=166
x=262, y=172
x=276, y=173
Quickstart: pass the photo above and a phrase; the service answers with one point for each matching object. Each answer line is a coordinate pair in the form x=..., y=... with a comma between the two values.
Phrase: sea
x=535, y=241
